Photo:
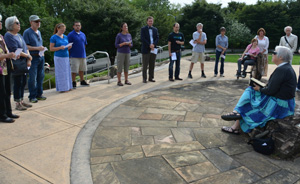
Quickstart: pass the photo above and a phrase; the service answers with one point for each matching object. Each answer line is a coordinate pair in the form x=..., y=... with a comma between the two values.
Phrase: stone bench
x=287, y=138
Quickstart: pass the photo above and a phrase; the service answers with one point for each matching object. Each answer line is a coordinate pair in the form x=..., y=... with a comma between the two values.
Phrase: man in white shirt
x=289, y=40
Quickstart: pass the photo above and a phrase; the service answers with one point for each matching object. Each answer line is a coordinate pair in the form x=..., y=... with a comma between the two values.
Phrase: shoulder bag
x=19, y=66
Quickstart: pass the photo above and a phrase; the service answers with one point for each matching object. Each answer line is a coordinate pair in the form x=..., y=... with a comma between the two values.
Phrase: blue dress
x=63, y=78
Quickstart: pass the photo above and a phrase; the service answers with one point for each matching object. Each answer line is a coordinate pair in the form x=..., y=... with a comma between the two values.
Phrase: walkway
x=38, y=147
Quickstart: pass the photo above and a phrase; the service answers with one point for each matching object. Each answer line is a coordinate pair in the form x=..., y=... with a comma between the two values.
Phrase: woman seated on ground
x=258, y=105
x=252, y=50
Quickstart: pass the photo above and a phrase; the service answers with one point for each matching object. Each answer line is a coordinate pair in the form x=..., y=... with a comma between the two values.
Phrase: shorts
x=78, y=64
x=123, y=59
x=198, y=56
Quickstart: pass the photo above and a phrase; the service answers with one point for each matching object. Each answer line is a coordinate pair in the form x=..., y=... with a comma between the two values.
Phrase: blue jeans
x=177, y=66
x=36, y=77
x=19, y=85
x=218, y=54
x=246, y=63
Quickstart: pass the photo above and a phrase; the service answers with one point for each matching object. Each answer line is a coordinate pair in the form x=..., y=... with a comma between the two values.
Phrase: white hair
x=288, y=27
x=9, y=23
x=285, y=53
x=199, y=24
x=0, y=17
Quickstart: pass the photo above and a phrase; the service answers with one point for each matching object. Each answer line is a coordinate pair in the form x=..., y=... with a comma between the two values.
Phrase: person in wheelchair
x=248, y=57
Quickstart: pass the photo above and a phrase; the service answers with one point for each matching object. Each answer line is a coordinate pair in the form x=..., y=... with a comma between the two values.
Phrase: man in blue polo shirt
x=34, y=41
x=77, y=53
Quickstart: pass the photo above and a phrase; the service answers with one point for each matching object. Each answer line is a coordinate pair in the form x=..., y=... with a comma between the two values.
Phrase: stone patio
x=172, y=135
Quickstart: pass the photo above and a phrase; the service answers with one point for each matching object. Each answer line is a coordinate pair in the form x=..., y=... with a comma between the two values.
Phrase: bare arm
x=54, y=49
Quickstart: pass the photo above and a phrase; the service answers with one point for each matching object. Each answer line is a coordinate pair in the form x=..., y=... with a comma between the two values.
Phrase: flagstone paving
x=172, y=135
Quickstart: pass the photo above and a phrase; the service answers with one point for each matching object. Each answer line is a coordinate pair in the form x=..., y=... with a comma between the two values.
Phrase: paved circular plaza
x=172, y=135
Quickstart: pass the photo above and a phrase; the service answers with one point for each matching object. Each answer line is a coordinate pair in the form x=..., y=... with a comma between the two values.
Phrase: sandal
x=127, y=82
x=230, y=130
x=120, y=83
x=231, y=116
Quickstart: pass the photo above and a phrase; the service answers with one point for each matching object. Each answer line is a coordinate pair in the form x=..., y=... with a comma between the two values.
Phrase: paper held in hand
x=192, y=43
x=257, y=82
x=70, y=44
x=223, y=56
x=154, y=51
x=18, y=52
x=41, y=53
x=174, y=57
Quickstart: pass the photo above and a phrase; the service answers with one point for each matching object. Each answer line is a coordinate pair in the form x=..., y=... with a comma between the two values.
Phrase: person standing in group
x=13, y=42
x=200, y=40
x=34, y=41
x=123, y=43
x=298, y=84
x=175, y=40
x=149, y=38
x=58, y=43
x=222, y=45
x=289, y=40
x=263, y=45
x=78, y=54
x=6, y=114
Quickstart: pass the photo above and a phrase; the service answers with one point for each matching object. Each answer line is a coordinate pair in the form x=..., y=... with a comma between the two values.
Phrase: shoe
x=190, y=76
x=151, y=80
x=178, y=78
x=20, y=107
x=215, y=75
x=127, y=82
x=231, y=116
x=171, y=79
x=144, y=81
x=74, y=84
x=83, y=83
x=230, y=130
x=222, y=75
x=34, y=100
x=26, y=105
x=120, y=83
x=203, y=75
x=14, y=116
x=7, y=120
x=41, y=98
x=238, y=75
x=244, y=74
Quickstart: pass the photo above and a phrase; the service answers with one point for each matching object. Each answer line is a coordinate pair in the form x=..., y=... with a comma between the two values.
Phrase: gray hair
x=284, y=52
x=199, y=24
x=288, y=27
x=0, y=17
x=9, y=23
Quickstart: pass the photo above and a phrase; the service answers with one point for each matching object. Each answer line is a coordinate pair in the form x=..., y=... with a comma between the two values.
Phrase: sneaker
x=222, y=75
x=34, y=100
x=190, y=76
x=20, y=107
x=238, y=75
x=26, y=105
x=41, y=98
x=243, y=76
x=83, y=83
x=74, y=84
x=215, y=75
x=203, y=75
x=171, y=79
x=178, y=78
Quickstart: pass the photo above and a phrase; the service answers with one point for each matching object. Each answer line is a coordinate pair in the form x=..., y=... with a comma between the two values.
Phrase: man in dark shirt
x=175, y=40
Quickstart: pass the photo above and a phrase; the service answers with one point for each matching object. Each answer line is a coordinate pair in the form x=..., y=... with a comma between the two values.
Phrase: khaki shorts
x=198, y=56
x=78, y=64
x=123, y=60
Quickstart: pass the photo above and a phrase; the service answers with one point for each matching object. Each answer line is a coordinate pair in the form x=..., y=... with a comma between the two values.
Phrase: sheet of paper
x=18, y=52
x=192, y=43
x=41, y=53
x=70, y=44
x=223, y=56
x=174, y=57
x=154, y=51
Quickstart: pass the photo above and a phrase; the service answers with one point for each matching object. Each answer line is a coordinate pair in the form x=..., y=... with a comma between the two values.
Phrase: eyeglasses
x=17, y=23
x=275, y=53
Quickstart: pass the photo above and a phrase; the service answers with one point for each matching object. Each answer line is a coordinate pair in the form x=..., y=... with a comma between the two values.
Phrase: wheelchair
x=254, y=71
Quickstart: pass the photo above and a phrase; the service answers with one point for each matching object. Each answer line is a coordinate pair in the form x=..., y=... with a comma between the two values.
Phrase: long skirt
x=63, y=78
x=257, y=109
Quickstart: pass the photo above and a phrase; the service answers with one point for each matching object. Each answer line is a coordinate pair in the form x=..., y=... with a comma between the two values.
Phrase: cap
x=34, y=18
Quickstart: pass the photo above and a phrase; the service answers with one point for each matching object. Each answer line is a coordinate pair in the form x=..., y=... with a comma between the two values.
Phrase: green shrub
x=52, y=81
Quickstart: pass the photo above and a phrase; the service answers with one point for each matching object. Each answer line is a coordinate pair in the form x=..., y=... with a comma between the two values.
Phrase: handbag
x=19, y=66
x=263, y=146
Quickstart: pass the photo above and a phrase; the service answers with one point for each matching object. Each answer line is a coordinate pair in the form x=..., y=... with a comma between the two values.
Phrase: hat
x=34, y=18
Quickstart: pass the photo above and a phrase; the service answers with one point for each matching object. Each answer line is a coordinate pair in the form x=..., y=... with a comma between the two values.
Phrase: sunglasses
x=37, y=21
x=275, y=53
x=18, y=23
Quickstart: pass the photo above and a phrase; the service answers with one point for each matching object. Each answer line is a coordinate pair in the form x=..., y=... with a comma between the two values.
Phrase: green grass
x=234, y=57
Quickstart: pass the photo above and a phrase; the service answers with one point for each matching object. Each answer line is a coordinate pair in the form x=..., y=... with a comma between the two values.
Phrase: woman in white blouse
x=263, y=44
